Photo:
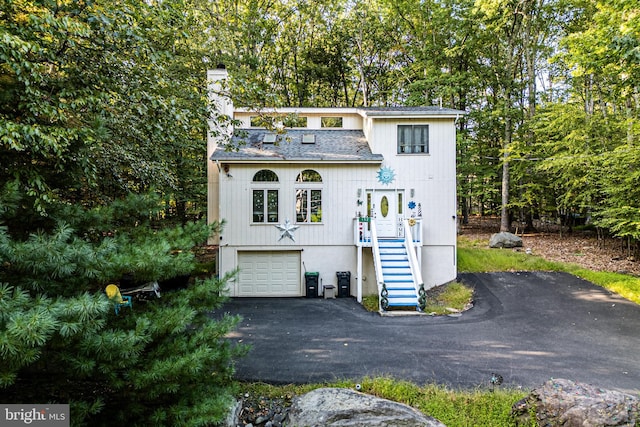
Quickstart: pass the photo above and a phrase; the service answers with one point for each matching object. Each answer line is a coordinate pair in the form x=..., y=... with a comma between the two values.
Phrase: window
x=309, y=175
x=331, y=122
x=265, y=200
x=294, y=121
x=256, y=122
x=308, y=196
x=265, y=211
x=413, y=139
x=265, y=175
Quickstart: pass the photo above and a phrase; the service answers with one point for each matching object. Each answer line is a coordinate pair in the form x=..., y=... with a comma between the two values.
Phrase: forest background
x=103, y=125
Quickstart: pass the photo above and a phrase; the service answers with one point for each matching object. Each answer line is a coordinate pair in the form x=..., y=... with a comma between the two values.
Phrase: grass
x=452, y=407
x=474, y=256
x=440, y=300
x=453, y=295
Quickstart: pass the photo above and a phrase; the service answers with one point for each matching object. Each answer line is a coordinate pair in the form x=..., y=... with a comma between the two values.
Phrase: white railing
x=377, y=263
x=361, y=231
x=416, y=269
x=415, y=229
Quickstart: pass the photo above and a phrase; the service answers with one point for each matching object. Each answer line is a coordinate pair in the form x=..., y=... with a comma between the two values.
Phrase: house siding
x=328, y=247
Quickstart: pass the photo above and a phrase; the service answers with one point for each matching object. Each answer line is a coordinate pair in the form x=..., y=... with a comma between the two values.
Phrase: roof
x=425, y=111
x=375, y=112
x=330, y=146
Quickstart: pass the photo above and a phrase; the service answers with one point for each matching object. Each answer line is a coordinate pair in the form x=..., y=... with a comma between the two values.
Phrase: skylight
x=308, y=138
x=269, y=138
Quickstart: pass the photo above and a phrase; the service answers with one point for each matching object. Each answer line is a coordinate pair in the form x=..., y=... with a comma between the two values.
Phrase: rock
x=566, y=403
x=505, y=240
x=328, y=407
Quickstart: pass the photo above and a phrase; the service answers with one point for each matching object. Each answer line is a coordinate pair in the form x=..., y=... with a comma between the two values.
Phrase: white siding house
x=338, y=192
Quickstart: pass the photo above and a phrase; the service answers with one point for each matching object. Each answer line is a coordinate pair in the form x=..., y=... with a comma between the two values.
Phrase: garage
x=269, y=274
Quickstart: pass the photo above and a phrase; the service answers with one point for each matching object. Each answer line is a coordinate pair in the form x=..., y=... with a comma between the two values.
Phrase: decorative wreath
x=412, y=222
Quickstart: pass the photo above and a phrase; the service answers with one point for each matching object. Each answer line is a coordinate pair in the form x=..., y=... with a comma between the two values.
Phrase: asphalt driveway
x=527, y=327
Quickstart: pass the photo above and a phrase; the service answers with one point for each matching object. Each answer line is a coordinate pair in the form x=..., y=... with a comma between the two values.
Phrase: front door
x=385, y=210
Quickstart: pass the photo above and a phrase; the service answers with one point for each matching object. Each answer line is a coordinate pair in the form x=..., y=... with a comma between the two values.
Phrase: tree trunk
x=505, y=220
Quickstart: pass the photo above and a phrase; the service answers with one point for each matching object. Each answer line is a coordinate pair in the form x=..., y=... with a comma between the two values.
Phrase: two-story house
x=359, y=196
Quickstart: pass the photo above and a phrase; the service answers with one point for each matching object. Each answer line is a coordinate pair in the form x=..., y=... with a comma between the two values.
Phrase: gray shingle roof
x=330, y=145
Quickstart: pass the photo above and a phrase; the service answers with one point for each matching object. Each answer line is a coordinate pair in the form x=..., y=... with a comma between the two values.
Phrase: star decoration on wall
x=386, y=175
x=286, y=230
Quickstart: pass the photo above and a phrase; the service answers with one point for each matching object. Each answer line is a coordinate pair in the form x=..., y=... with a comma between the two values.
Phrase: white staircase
x=396, y=273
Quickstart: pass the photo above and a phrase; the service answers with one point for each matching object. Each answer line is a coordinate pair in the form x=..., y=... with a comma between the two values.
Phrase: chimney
x=216, y=79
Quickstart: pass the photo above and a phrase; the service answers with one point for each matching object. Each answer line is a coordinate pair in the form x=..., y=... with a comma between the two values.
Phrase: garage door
x=269, y=274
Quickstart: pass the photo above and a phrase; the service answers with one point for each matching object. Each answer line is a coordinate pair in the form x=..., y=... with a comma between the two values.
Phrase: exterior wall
x=322, y=259
x=329, y=247
x=432, y=176
x=325, y=247
x=339, y=204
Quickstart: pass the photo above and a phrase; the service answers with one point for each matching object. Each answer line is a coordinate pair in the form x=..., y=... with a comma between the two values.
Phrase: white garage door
x=269, y=274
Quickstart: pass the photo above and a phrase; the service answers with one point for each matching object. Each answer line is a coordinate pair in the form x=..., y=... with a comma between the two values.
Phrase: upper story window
x=271, y=121
x=308, y=196
x=331, y=122
x=309, y=175
x=294, y=121
x=265, y=199
x=265, y=175
x=413, y=139
x=256, y=122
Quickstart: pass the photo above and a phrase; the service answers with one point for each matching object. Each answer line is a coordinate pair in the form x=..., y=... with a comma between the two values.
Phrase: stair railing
x=383, y=302
x=416, y=269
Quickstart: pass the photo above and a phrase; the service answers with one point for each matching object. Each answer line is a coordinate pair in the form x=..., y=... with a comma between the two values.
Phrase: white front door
x=385, y=211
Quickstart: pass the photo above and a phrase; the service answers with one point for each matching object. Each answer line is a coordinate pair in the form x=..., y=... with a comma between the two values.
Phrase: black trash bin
x=311, y=284
x=344, y=283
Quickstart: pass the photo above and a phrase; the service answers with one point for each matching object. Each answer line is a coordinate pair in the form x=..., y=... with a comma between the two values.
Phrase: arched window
x=265, y=199
x=265, y=175
x=309, y=175
x=309, y=196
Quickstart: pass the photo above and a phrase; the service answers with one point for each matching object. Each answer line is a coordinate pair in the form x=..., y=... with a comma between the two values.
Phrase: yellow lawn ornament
x=113, y=293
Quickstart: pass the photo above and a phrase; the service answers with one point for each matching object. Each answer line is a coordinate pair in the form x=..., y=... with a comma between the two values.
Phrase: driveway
x=527, y=327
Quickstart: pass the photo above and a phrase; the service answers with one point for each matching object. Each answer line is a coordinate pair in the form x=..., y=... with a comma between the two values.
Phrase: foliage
x=550, y=87
x=101, y=98
x=452, y=407
x=164, y=361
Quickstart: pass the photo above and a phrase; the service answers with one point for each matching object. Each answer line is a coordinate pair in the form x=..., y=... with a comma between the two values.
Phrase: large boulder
x=328, y=407
x=566, y=403
x=505, y=240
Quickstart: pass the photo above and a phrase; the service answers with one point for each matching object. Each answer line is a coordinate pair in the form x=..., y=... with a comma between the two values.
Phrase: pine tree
x=162, y=362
